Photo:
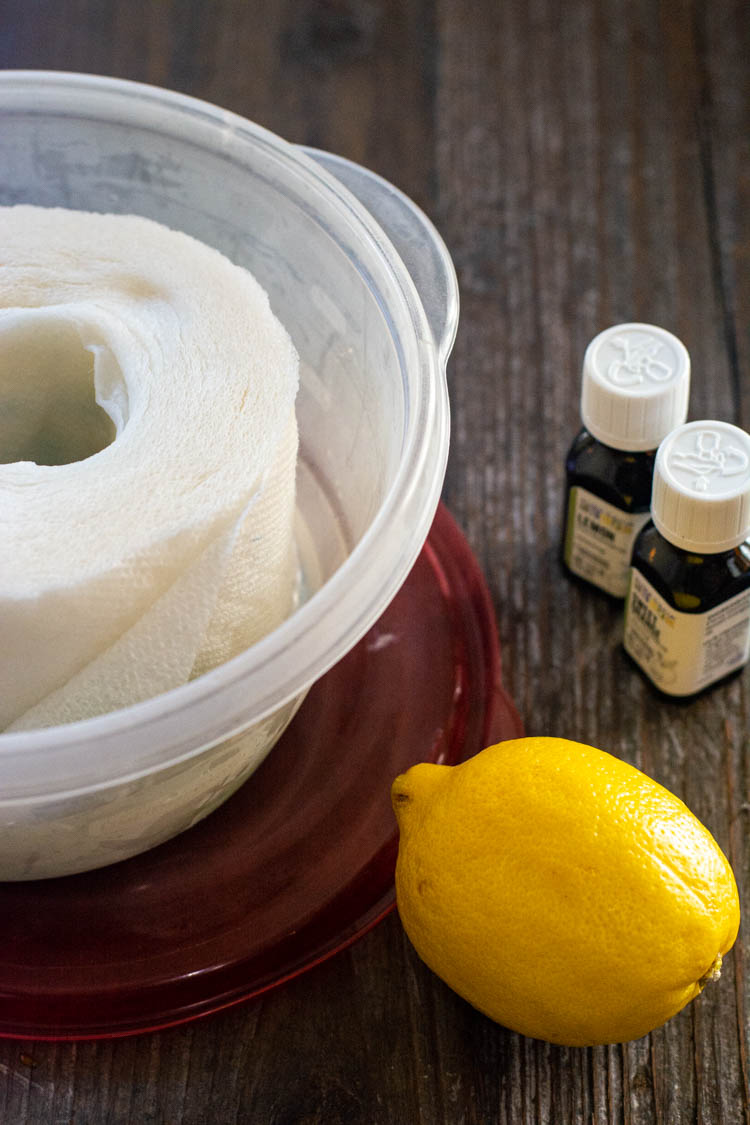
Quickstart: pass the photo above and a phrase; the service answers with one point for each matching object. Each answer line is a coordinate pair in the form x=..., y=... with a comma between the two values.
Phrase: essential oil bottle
x=687, y=611
x=635, y=389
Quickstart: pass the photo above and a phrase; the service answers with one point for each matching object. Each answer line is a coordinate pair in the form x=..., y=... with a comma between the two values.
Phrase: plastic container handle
x=415, y=239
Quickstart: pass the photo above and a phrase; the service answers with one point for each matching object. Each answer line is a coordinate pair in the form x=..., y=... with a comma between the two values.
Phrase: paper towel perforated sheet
x=152, y=375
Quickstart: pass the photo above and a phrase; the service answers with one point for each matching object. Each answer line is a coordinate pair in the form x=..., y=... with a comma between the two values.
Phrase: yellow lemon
x=561, y=891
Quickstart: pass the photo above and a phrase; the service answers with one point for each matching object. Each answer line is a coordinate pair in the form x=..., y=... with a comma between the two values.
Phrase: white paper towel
x=128, y=567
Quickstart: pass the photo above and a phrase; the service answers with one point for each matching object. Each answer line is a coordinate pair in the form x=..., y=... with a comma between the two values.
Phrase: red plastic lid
x=298, y=863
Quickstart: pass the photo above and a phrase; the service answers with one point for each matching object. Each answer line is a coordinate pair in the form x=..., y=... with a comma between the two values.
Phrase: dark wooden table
x=586, y=163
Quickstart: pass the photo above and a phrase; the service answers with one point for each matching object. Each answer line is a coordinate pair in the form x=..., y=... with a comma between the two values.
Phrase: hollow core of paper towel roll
x=148, y=446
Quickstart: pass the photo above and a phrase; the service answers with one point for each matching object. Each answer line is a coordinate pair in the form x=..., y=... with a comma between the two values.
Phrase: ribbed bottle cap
x=636, y=383
x=701, y=491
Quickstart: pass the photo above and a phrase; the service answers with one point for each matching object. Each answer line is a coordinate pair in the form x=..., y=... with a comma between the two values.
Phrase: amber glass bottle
x=635, y=387
x=687, y=611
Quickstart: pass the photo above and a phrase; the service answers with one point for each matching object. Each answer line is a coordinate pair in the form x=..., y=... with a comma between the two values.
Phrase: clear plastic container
x=373, y=316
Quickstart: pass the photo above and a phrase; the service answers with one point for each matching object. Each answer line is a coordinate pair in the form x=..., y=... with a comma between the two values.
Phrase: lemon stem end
x=713, y=973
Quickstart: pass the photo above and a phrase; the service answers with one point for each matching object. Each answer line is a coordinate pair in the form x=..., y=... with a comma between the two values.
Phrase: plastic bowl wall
x=373, y=419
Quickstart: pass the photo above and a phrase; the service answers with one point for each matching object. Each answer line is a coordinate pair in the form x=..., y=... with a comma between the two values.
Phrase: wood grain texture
x=586, y=162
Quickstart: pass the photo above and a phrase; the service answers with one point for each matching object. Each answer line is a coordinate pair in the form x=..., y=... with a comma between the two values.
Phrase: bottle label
x=683, y=653
x=599, y=540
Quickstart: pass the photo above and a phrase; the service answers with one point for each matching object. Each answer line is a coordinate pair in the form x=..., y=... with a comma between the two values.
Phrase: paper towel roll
x=147, y=462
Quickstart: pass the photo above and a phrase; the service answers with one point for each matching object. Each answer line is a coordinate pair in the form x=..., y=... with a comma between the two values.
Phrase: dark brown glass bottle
x=690, y=582
x=687, y=611
x=635, y=388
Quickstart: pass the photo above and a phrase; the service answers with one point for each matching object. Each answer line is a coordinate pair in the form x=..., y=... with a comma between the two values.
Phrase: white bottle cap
x=701, y=492
x=636, y=383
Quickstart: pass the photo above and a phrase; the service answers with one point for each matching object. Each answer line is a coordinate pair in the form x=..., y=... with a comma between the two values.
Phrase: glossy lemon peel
x=560, y=890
